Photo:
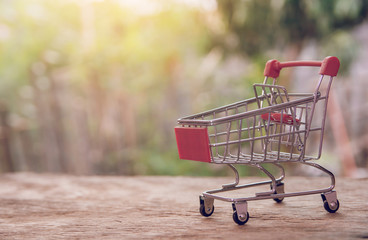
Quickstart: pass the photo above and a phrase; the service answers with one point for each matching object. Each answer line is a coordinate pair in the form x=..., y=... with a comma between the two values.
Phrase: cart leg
x=231, y=185
x=279, y=184
x=273, y=183
x=282, y=172
x=240, y=212
x=332, y=177
x=206, y=207
x=330, y=202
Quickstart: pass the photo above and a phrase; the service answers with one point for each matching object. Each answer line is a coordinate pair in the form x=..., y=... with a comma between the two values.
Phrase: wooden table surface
x=35, y=206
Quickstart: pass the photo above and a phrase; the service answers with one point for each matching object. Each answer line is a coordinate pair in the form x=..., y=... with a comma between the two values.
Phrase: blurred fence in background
x=95, y=87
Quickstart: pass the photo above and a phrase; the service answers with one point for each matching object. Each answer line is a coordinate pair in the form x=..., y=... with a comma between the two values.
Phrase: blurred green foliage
x=95, y=87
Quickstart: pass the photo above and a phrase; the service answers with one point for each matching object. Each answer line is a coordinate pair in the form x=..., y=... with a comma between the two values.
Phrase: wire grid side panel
x=270, y=95
x=286, y=138
x=254, y=139
x=236, y=141
x=292, y=141
x=315, y=138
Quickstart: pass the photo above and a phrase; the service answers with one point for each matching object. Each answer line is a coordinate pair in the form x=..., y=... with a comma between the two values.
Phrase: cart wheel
x=279, y=189
x=242, y=220
x=333, y=207
x=206, y=212
x=278, y=200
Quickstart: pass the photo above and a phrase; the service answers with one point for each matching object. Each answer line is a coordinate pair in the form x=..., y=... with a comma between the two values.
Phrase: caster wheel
x=242, y=220
x=330, y=202
x=278, y=200
x=206, y=212
x=331, y=208
x=279, y=189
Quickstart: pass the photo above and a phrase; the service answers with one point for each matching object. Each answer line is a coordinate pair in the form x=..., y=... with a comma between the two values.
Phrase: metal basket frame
x=274, y=127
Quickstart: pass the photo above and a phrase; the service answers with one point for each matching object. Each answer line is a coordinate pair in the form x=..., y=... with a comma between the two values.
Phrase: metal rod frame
x=274, y=181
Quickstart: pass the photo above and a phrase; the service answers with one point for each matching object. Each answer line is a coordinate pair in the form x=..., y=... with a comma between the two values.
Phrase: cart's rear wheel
x=279, y=189
x=242, y=220
x=331, y=208
x=330, y=202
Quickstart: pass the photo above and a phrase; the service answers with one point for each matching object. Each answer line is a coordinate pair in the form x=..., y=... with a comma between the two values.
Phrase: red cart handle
x=329, y=66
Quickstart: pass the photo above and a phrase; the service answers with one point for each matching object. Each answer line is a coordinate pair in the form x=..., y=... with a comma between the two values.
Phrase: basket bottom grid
x=269, y=157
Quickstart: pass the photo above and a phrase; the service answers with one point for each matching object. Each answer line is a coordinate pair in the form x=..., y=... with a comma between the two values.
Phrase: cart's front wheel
x=240, y=220
x=206, y=212
x=332, y=207
x=206, y=207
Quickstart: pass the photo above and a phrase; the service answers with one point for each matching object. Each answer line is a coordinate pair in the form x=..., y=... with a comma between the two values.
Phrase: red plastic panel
x=276, y=117
x=193, y=144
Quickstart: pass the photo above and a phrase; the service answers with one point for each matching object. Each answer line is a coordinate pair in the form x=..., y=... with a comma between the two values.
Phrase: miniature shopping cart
x=274, y=127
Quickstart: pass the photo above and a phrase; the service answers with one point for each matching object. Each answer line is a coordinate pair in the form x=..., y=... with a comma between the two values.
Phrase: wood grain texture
x=36, y=206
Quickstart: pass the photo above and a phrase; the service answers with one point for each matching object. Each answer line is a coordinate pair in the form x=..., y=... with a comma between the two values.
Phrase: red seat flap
x=276, y=117
x=193, y=144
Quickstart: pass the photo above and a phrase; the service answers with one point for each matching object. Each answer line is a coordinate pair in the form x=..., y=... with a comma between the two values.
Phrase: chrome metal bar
x=314, y=104
x=211, y=193
x=234, y=131
x=240, y=103
x=235, y=186
x=258, y=98
x=239, y=136
x=279, y=144
x=324, y=117
x=273, y=181
x=269, y=99
x=232, y=185
x=227, y=141
x=282, y=172
x=271, y=196
x=268, y=109
x=248, y=126
x=332, y=176
x=215, y=129
x=253, y=136
x=253, y=139
x=250, y=113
